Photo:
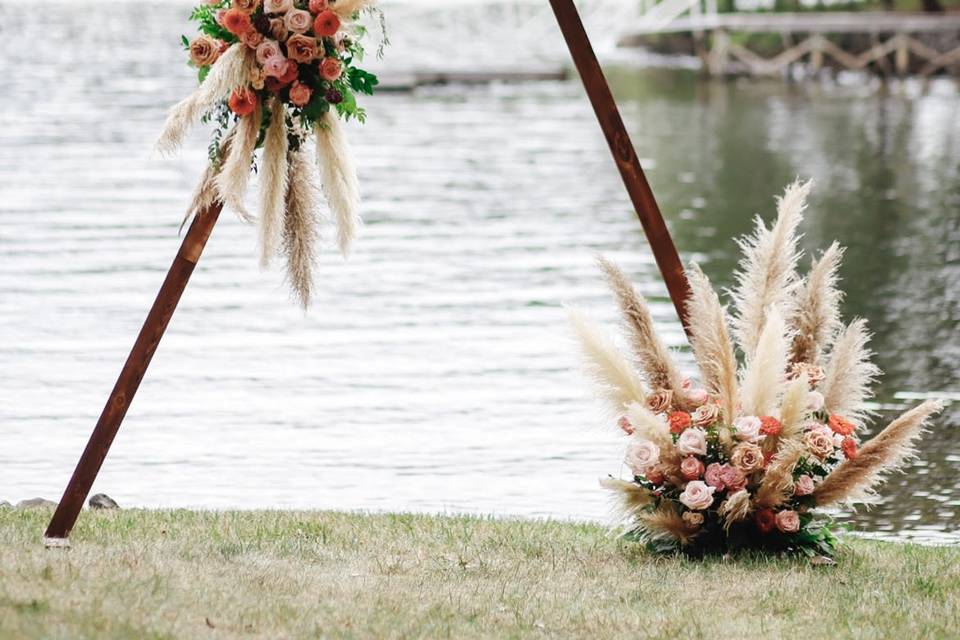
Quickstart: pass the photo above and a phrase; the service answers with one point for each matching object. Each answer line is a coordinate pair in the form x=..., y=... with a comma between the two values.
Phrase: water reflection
x=434, y=372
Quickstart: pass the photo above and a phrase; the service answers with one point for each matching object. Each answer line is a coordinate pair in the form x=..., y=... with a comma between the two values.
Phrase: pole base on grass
x=56, y=543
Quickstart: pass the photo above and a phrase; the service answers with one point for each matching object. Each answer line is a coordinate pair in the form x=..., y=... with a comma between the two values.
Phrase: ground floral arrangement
x=744, y=460
x=274, y=75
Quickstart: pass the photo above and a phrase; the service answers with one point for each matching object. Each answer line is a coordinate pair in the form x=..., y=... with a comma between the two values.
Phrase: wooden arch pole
x=132, y=373
x=664, y=251
x=194, y=242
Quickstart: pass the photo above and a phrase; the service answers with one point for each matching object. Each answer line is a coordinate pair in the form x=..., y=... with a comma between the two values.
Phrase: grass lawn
x=181, y=574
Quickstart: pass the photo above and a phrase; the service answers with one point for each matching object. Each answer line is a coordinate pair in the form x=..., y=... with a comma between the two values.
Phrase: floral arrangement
x=275, y=74
x=744, y=458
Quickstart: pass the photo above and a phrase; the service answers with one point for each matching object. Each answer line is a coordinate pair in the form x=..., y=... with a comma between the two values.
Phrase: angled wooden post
x=624, y=155
x=132, y=373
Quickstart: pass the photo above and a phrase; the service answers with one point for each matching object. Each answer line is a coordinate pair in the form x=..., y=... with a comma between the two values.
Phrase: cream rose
x=298, y=21
x=660, y=400
x=748, y=428
x=277, y=6
x=641, y=456
x=788, y=521
x=747, y=457
x=705, y=415
x=818, y=443
x=803, y=486
x=697, y=495
x=692, y=518
x=204, y=51
x=815, y=401
x=692, y=442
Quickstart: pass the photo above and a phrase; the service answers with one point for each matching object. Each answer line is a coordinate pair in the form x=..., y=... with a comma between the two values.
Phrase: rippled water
x=434, y=372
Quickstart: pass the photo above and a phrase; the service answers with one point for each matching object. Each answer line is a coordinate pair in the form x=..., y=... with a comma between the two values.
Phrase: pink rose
x=698, y=395
x=300, y=94
x=788, y=521
x=641, y=456
x=697, y=495
x=275, y=66
x=712, y=476
x=691, y=468
x=316, y=6
x=266, y=50
x=277, y=6
x=692, y=442
x=330, y=69
x=803, y=486
x=733, y=478
x=748, y=428
x=625, y=426
x=298, y=21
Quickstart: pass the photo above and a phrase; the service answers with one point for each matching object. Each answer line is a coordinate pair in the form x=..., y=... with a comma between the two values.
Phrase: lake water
x=434, y=372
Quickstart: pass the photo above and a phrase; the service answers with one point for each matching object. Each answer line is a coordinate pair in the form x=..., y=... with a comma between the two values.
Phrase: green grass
x=180, y=574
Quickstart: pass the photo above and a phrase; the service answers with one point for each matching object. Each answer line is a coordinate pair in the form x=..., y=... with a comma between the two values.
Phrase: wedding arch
x=627, y=161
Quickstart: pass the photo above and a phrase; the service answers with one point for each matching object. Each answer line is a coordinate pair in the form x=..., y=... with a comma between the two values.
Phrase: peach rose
x=788, y=521
x=641, y=456
x=705, y=415
x=204, y=51
x=748, y=428
x=278, y=29
x=625, y=426
x=803, y=486
x=733, y=478
x=330, y=69
x=247, y=6
x=712, y=476
x=301, y=48
x=660, y=400
x=747, y=457
x=818, y=443
x=697, y=495
x=691, y=468
x=692, y=518
x=300, y=94
x=266, y=50
x=277, y=6
x=316, y=6
x=298, y=21
x=692, y=442
x=326, y=25
x=654, y=475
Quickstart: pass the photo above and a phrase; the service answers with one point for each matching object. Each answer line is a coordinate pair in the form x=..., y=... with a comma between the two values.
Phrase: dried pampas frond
x=273, y=188
x=849, y=373
x=300, y=225
x=777, y=484
x=735, y=508
x=234, y=175
x=768, y=268
x=630, y=497
x=666, y=524
x=853, y=480
x=815, y=313
x=205, y=193
x=651, y=354
x=615, y=378
x=711, y=343
x=227, y=73
x=339, y=179
x=793, y=410
x=759, y=391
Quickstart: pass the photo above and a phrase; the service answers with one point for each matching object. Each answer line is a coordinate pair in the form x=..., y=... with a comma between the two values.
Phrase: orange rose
x=327, y=24
x=243, y=101
x=841, y=425
x=237, y=22
x=849, y=448
x=770, y=426
x=679, y=420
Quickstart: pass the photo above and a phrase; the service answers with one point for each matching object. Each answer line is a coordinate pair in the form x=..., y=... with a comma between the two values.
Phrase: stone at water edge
x=103, y=501
x=37, y=503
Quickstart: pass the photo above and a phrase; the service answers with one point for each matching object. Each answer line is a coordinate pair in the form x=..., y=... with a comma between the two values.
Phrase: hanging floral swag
x=744, y=460
x=273, y=75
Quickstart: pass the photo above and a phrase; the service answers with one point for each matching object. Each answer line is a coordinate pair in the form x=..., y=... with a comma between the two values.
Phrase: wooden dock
x=898, y=42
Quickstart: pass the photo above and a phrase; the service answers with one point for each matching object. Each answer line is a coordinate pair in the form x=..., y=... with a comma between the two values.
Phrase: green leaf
x=361, y=80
